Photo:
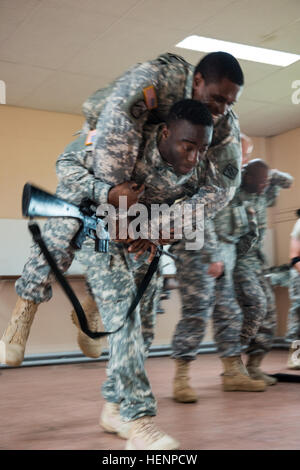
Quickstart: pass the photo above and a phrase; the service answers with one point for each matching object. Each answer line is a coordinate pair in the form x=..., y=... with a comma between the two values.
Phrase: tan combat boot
x=254, y=361
x=13, y=342
x=236, y=378
x=182, y=391
x=89, y=346
x=294, y=358
x=144, y=435
x=111, y=421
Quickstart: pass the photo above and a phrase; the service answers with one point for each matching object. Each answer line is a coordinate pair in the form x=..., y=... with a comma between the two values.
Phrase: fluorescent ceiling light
x=240, y=51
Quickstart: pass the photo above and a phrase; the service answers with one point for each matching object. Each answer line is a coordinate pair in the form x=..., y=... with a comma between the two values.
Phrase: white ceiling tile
x=21, y=80
x=254, y=72
x=176, y=13
x=275, y=86
x=52, y=35
x=285, y=39
x=244, y=107
x=250, y=21
x=12, y=13
x=270, y=120
x=63, y=92
x=117, y=50
x=111, y=7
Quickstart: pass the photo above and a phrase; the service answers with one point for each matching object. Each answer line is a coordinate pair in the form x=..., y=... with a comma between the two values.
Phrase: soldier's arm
x=277, y=180
x=250, y=239
x=210, y=251
x=225, y=154
x=210, y=247
x=74, y=169
x=74, y=172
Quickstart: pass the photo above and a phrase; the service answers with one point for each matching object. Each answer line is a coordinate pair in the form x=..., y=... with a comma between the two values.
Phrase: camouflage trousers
x=36, y=279
x=202, y=295
x=256, y=299
x=113, y=278
x=293, y=331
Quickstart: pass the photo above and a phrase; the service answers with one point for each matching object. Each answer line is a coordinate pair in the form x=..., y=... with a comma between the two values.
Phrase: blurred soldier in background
x=253, y=289
x=293, y=333
x=204, y=290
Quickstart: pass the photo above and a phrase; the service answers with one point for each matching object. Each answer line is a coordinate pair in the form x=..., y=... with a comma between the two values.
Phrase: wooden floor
x=57, y=407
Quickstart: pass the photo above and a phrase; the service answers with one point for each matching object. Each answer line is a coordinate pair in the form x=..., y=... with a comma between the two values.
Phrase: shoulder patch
x=138, y=109
x=230, y=171
x=150, y=97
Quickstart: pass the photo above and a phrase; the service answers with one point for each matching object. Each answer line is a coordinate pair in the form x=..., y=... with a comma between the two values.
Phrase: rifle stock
x=39, y=203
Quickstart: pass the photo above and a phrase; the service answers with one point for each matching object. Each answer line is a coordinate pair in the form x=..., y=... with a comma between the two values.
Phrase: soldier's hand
x=129, y=189
x=216, y=269
x=140, y=247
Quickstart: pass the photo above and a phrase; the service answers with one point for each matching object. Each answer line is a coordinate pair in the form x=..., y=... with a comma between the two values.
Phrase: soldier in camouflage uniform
x=253, y=289
x=232, y=230
x=114, y=277
x=293, y=332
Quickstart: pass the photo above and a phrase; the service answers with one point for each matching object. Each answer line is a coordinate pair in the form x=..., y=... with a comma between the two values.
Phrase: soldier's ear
x=165, y=132
x=198, y=80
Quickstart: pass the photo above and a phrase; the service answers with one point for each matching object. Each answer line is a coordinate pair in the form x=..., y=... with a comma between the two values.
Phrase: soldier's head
x=218, y=82
x=247, y=148
x=255, y=176
x=186, y=135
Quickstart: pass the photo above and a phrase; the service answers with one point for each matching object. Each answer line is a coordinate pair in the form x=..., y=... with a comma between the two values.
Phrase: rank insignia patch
x=150, y=97
x=230, y=171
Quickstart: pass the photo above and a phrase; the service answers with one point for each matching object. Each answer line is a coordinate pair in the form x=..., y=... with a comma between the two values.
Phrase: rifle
x=38, y=203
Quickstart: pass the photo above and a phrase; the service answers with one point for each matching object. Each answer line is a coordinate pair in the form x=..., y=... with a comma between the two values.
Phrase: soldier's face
x=184, y=144
x=257, y=181
x=219, y=97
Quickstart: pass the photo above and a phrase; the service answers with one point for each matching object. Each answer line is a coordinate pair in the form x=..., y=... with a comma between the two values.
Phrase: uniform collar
x=189, y=83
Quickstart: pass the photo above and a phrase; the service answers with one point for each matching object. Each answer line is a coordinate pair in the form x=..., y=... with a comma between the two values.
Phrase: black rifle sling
x=286, y=377
x=37, y=237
